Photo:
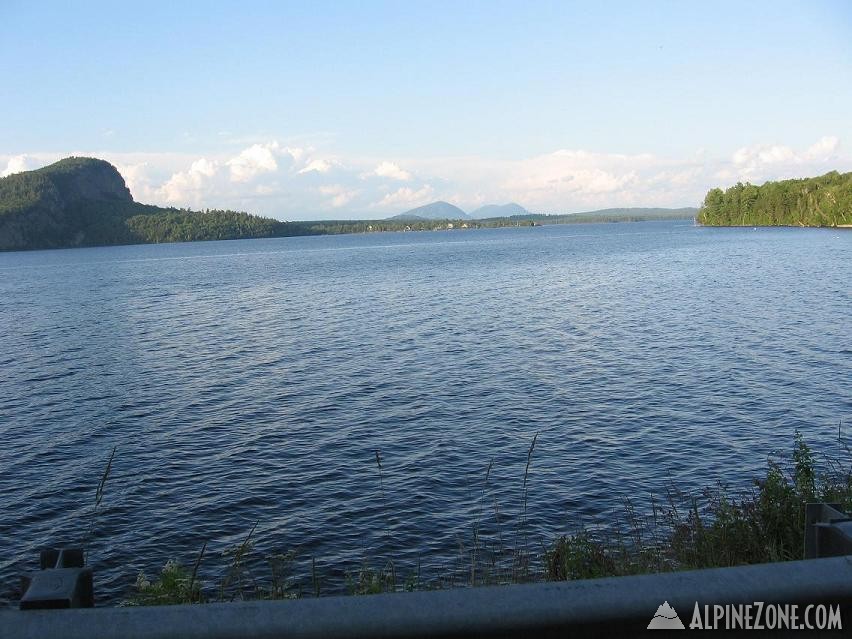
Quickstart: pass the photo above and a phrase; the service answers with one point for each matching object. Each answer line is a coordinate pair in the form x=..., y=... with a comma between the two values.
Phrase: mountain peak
x=439, y=210
x=81, y=178
x=64, y=204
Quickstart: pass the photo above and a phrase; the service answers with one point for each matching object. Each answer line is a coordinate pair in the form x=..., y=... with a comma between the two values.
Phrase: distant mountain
x=433, y=211
x=498, y=210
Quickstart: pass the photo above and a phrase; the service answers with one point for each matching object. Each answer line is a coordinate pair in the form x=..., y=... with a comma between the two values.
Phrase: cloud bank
x=17, y=164
x=302, y=182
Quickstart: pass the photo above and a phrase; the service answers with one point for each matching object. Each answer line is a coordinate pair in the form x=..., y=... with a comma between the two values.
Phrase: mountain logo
x=666, y=619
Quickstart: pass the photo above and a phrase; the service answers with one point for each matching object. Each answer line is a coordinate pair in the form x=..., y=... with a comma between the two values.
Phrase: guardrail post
x=828, y=531
x=62, y=582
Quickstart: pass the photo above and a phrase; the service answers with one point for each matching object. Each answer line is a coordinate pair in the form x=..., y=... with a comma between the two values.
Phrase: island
x=818, y=201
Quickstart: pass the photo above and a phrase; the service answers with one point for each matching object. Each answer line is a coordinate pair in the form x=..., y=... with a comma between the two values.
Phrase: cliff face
x=87, y=179
x=74, y=202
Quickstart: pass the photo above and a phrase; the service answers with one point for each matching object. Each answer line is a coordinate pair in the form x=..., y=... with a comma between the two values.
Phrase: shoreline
x=373, y=232
x=773, y=226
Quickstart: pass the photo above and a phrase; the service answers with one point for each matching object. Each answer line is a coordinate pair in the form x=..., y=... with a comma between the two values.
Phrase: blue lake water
x=253, y=381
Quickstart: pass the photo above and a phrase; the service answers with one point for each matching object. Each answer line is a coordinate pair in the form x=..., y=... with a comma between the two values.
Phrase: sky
x=340, y=110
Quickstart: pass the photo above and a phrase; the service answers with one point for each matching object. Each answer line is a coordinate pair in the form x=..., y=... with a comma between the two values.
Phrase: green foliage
x=174, y=586
x=20, y=192
x=804, y=470
x=767, y=524
x=819, y=201
x=281, y=584
x=369, y=581
x=155, y=225
x=579, y=556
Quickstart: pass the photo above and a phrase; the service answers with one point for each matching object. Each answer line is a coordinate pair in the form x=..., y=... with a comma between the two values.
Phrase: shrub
x=175, y=586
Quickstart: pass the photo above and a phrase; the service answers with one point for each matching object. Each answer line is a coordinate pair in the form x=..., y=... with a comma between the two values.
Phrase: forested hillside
x=84, y=202
x=152, y=224
x=820, y=201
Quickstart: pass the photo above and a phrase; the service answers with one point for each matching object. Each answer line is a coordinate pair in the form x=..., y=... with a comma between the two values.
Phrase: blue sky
x=364, y=109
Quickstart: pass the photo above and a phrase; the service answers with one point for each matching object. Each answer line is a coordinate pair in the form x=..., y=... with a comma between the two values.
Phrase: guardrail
x=595, y=607
x=616, y=606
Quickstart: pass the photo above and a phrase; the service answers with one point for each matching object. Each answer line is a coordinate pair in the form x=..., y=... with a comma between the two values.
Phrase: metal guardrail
x=595, y=607
x=617, y=606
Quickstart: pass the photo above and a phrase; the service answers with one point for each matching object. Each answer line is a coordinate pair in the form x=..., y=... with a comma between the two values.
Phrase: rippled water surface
x=253, y=381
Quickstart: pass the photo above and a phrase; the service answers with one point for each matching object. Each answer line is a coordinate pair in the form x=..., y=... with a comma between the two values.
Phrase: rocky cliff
x=74, y=202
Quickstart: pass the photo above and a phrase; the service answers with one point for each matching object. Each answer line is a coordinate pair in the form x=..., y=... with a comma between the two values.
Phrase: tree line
x=819, y=201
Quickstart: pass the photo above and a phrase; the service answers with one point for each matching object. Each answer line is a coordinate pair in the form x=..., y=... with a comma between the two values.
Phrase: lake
x=253, y=382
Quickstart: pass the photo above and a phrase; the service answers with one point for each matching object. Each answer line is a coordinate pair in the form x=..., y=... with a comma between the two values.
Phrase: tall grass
x=521, y=556
x=714, y=528
x=233, y=585
x=764, y=524
x=99, y=497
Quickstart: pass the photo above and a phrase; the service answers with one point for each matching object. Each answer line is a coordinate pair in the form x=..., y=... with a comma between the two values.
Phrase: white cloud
x=339, y=194
x=294, y=152
x=824, y=149
x=579, y=177
x=189, y=187
x=685, y=177
x=407, y=197
x=752, y=156
x=137, y=180
x=776, y=161
x=266, y=190
x=319, y=166
x=390, y=170
x=253, y=161
x=204, y=167
x=17, y=164
x=299, y=182
x=218, y=181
